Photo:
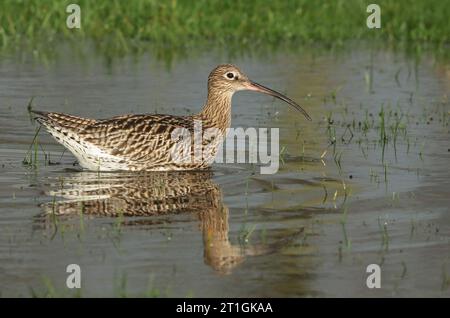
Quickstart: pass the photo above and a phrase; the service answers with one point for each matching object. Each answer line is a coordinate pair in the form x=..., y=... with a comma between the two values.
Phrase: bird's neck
x=217, y=109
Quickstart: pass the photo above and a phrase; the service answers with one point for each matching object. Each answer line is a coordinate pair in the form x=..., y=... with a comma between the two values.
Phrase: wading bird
x=146, y=142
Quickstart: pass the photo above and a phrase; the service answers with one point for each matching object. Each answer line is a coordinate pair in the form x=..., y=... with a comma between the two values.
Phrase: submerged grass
x=118, y=27
x=384, y=235
x=387, y=132
x=31, y=157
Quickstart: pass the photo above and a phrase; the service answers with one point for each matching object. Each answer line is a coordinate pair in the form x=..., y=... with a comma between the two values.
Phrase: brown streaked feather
x=69, y=122
x=136, y=138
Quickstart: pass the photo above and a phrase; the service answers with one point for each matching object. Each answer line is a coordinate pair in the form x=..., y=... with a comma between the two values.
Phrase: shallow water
x=338, y=203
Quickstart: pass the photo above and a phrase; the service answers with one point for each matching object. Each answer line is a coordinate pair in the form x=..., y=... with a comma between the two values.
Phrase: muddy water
x=348, y=193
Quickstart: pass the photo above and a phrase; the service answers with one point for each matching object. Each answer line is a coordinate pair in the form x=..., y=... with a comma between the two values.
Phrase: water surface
x=349, y=192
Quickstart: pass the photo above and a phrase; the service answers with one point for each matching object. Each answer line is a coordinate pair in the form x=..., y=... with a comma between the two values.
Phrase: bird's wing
x=70, y=123
x=137, y=138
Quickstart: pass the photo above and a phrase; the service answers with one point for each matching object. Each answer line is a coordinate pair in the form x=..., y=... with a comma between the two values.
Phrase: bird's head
x=228, y=79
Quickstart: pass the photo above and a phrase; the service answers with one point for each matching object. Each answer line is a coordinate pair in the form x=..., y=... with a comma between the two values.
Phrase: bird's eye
x=230, y=75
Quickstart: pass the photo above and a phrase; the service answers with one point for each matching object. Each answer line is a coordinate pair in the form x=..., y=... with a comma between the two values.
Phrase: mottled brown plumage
x=150, y=142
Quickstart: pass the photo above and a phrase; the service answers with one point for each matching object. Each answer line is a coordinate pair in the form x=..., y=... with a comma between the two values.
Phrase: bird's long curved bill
x=262, y=89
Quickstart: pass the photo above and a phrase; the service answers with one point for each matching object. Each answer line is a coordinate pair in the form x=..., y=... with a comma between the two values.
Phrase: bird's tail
x=61, y=121
x=40, y=116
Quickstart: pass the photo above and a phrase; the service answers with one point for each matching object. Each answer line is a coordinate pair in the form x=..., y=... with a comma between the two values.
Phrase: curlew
x=146, y=142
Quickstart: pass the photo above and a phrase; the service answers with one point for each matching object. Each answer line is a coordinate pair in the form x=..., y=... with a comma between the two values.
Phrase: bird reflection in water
x=150, y=194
